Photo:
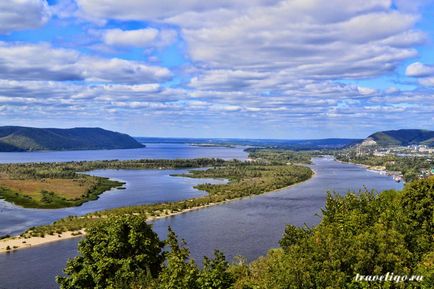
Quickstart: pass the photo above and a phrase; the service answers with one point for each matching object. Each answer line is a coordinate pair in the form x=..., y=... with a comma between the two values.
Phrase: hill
x=403, y=137
x=16, y=138
x=310, y=144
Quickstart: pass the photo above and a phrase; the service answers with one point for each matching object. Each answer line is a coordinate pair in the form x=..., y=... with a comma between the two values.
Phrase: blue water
x=247, y=227
x=151, y=151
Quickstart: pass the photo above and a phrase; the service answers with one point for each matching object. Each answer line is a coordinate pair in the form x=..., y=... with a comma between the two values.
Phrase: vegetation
x=124, y=252
x=366, y=234
x=54, y=193
x=15, y=138
x=279, y=156
x=115, y=253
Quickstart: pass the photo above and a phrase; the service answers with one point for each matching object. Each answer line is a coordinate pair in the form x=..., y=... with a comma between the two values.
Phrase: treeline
x=279, y=156
x=359, y=235
x=71, y=169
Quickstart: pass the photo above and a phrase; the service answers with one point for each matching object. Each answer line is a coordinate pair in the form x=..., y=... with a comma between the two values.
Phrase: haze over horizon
x=268, y=69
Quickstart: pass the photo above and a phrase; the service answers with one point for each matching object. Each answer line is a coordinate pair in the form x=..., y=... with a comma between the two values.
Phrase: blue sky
x=291, y=69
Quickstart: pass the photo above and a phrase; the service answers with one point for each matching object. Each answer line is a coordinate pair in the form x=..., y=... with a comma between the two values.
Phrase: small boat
x=397, y=179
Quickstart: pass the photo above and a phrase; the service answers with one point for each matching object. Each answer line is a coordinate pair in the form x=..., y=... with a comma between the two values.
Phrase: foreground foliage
x=124, y=252
x=115, y=253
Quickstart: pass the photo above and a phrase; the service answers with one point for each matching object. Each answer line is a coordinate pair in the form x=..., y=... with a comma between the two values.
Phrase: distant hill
x=16, y=138
x=402, y=137
x=312, y=144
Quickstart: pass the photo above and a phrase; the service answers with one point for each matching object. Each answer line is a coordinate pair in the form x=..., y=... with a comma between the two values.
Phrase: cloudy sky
x=223, y=68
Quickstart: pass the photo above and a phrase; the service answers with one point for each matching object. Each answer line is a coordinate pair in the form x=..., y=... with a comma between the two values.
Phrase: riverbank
x=397, y=176
x=15, y=243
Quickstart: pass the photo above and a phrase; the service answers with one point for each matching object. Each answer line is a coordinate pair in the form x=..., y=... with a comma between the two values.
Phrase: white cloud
x=290, y=36
x=418, y=69
x=120, y=71
x=42, y=62
x=22, y=14
x=134, y=38
x=366, y=90
x=157, y=10
x=290, y=40
x=429, y=81
x=146, y=37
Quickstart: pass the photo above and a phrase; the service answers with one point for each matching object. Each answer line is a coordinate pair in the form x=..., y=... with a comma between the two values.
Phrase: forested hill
x=15, y=138
x=403, y=137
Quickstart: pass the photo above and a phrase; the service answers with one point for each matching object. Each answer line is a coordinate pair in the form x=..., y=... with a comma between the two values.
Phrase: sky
x=295, y=69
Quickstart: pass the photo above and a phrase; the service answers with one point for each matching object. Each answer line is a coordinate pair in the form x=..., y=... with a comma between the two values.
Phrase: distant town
x=402, y=162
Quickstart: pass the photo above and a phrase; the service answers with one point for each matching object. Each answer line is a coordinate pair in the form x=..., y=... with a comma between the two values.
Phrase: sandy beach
x=16, y=243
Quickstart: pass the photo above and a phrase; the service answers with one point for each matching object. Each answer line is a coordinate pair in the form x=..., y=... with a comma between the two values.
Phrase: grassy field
x=53, y=193
x=66, y=188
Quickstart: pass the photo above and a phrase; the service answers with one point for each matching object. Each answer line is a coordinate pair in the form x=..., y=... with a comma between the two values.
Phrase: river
x=247, y=227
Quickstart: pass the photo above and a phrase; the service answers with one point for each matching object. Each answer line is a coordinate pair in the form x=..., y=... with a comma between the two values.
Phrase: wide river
x=247, y=227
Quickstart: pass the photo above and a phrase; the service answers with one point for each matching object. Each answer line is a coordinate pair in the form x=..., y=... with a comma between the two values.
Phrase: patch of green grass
x=52, y=200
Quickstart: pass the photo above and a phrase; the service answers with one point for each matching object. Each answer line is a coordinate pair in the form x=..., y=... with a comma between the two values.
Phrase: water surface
x=151, y=151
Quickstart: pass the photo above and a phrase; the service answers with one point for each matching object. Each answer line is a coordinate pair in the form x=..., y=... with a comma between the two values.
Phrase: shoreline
x=376, y=169
x=16, y=243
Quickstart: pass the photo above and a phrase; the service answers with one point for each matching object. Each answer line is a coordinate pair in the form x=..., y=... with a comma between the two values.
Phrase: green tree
x=180, y=272
x=215, y=274
x=293, y=235
x=116, y=252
